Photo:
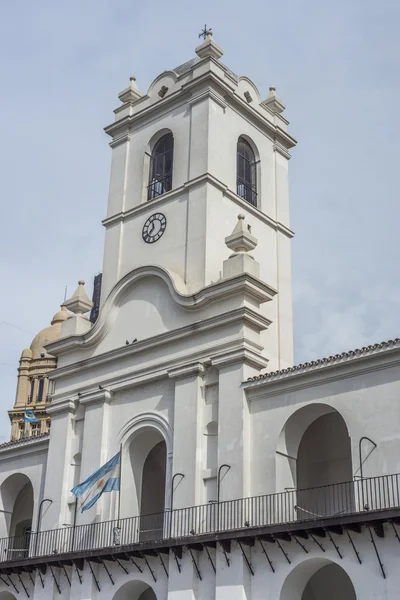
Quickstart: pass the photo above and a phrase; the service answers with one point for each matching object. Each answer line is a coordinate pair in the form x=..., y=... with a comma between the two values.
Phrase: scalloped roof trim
x=23, y=442
x=330, y=360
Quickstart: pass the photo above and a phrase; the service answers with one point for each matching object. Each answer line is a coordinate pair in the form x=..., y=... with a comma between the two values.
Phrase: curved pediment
x=145, y=309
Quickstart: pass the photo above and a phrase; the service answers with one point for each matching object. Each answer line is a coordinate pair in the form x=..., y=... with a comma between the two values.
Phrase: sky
x=334, y=64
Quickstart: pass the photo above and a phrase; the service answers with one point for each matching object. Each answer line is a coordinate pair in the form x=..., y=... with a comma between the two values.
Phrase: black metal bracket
x=149, y=567
x=300, y=544
x=353, y=546
x=31, y=578
x=376, y=552
x=66, y=574
x=94, y=576
x=163, y=564
x=177, y=554
x=317, y=542
x=107, y=571
x=78, y=573
x=248, y=563
x=122, y=566
x=195, y=565
x=55, y=579
x=334, y=543
x=4, y=581
x=266, y=555
x=23, y=585
x=41, y=578
x=13, y=584
x=226, y=548
x=285, y=554
x=210, y=559
x=139, y=568
x=395, y=531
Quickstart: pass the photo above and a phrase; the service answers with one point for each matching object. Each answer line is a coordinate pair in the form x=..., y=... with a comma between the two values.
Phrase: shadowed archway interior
x=318, y=579
x=134, y=590
x=329, y=583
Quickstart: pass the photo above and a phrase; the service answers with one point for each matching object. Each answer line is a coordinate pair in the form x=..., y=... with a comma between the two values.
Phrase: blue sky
x=336, y=67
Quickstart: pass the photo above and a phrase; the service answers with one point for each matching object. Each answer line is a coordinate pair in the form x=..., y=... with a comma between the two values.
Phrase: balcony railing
x=296, y=506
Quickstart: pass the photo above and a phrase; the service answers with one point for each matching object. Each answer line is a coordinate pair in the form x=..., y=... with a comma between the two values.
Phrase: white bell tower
x=200, y=147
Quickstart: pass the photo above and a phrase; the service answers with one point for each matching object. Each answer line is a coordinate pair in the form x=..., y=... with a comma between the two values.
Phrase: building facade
x=33, y=388
x=242, y=476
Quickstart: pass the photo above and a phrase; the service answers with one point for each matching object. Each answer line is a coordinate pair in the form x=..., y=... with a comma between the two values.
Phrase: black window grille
x=246, y=185
x=161, y=163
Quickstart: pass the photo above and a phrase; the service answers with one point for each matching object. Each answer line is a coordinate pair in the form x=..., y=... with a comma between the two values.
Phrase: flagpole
x=120, y=482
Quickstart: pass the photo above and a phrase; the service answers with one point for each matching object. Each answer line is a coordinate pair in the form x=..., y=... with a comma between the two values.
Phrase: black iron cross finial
x=205, y=32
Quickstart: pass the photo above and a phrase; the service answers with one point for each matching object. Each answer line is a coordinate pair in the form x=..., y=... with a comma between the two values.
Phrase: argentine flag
x=29, y=417
x=105, y=479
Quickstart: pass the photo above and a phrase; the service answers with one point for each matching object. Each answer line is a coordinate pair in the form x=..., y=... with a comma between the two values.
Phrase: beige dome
x=27, y=353
x=49, y=334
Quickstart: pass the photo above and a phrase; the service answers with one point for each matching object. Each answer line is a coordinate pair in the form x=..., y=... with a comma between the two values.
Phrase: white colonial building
x=242, y=477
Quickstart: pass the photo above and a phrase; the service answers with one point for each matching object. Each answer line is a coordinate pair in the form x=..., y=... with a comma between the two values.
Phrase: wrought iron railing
x=246, y=191
x=337, y=500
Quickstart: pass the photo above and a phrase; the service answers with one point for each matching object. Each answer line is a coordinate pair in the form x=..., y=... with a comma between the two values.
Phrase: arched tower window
x=161, y=167
x=246, y=172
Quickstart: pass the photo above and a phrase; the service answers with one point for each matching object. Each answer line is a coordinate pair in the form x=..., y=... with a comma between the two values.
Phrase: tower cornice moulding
x=206, y=178
x=216, y=87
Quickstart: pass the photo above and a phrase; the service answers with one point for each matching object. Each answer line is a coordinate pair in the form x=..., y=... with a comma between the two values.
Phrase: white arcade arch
x=318, y=578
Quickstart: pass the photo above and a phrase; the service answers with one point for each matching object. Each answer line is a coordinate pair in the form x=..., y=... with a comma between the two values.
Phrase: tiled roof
x=330, y=360
x=23, y=442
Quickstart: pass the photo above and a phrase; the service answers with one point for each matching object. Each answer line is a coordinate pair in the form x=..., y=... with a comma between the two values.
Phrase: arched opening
x=313, y=454
x=7, y=596
x=147, y=458
x=17, y=500
x=135, y=590
x=161, y=163
x=316, y=579
x=246, y=172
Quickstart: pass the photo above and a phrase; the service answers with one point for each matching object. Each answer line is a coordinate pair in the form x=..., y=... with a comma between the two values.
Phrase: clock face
x=154, y=228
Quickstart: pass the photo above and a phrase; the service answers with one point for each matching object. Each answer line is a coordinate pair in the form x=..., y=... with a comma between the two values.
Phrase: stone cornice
x=100, y=396
x=190, y=370
x=193, y=183
x=157, y=370
x=241, y=355
x=327, y=370
x=62, y=406
x=22, y=447
x=253, y=319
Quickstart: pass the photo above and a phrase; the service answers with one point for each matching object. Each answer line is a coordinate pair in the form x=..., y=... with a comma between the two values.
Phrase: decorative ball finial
x=241, y=216
x=81, y=282
x=272, y=88
x=132, y=78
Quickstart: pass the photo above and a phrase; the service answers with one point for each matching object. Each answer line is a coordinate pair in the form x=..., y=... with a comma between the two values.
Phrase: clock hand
x=151, y=228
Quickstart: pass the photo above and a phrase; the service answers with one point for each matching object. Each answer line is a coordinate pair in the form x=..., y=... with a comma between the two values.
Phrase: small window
x=246, y=172
x=40, y=390
x=31, y=392
x=161, y=167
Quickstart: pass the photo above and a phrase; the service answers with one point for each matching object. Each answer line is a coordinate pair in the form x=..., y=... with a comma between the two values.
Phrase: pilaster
x=187, y=457
x=58, y=461
x=95, y=447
